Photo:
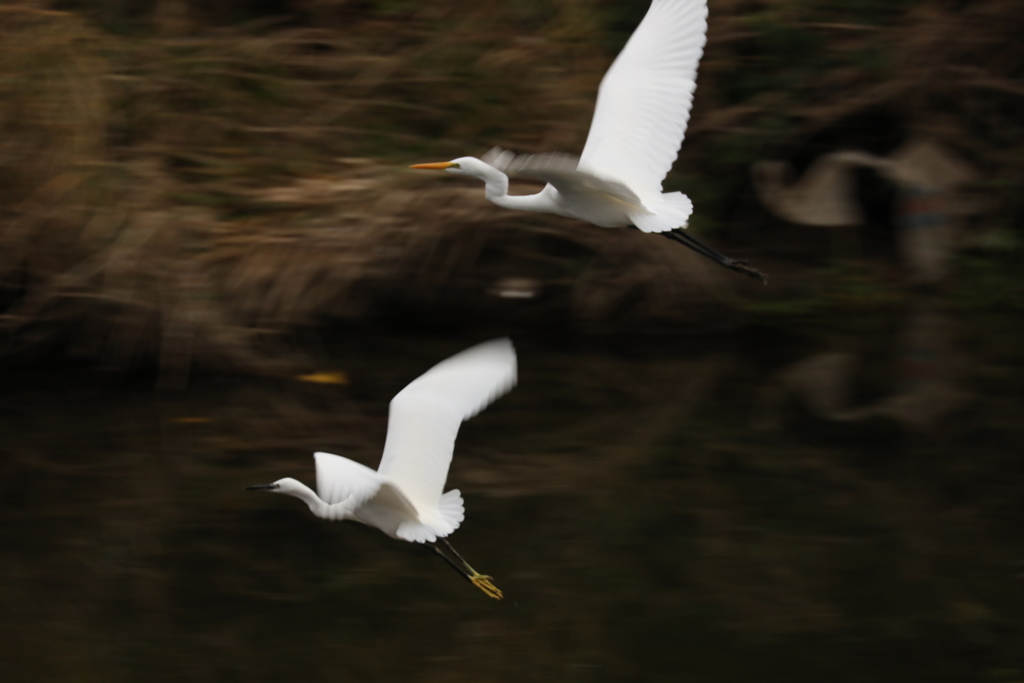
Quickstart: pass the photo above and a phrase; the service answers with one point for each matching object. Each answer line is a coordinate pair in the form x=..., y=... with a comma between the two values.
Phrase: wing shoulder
x=560, y=170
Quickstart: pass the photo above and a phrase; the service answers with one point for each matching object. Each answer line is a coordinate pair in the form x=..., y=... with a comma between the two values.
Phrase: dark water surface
x=831, y=507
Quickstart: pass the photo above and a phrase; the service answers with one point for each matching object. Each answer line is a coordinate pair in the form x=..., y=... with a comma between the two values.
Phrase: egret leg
x=692, y=242
x=481, y=581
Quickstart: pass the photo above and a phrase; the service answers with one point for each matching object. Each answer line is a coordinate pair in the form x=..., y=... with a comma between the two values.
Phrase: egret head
x=286, y=486
x=470, y=166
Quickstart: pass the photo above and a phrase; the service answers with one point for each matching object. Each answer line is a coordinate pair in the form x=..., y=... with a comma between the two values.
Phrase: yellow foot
x=483, y=582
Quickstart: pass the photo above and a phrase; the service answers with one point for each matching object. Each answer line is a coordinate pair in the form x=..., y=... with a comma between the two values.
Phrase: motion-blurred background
x=214, y=261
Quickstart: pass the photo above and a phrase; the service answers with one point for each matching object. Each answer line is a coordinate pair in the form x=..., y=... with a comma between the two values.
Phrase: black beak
x=261, y=487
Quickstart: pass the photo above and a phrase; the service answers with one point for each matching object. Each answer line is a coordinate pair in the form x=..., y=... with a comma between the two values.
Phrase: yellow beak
x=436, y=166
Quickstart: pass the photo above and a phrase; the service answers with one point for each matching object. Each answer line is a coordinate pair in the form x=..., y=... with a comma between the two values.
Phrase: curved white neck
x=307, y=496
x=496, y=190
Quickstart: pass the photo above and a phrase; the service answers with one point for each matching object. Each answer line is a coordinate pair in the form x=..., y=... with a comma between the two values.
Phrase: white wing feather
x=643, y=104
x=340, y=480
x=425, y=416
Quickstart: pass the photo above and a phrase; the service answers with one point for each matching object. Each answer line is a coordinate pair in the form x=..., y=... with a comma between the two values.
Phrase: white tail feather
x=451, y=513
x=453, y=510
x=668, y=211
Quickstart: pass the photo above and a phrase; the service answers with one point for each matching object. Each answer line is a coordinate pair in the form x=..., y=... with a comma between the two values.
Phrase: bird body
x=404, y=497
x=347, y=490
x=643, y=107
x=594, y=196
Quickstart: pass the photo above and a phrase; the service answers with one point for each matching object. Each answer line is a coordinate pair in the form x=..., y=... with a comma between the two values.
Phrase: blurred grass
x=184, y=181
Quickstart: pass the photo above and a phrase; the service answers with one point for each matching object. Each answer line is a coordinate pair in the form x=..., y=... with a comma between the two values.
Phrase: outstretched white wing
x=643, y=104
x=425, y=416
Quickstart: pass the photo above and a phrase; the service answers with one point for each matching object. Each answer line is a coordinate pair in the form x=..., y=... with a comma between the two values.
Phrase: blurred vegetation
x=186, y=183
x=183, y=181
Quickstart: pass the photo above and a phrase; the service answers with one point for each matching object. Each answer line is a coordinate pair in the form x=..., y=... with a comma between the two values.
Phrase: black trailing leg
x=692, y=242
x=481, y=581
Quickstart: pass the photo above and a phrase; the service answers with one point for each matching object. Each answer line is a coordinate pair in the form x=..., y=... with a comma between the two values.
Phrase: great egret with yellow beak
x=403, y=497
x=643, y=106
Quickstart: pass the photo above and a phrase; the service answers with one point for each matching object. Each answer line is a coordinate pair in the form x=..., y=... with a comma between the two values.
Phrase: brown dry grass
x=173, y=198
x=175, y=195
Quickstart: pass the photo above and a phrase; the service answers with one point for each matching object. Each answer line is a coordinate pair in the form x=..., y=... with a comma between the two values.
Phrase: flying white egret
x=403, y=497
x=643, y=106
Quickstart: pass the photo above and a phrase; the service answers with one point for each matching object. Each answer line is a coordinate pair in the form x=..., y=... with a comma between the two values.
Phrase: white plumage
x=643, y=106
x=405, y=496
